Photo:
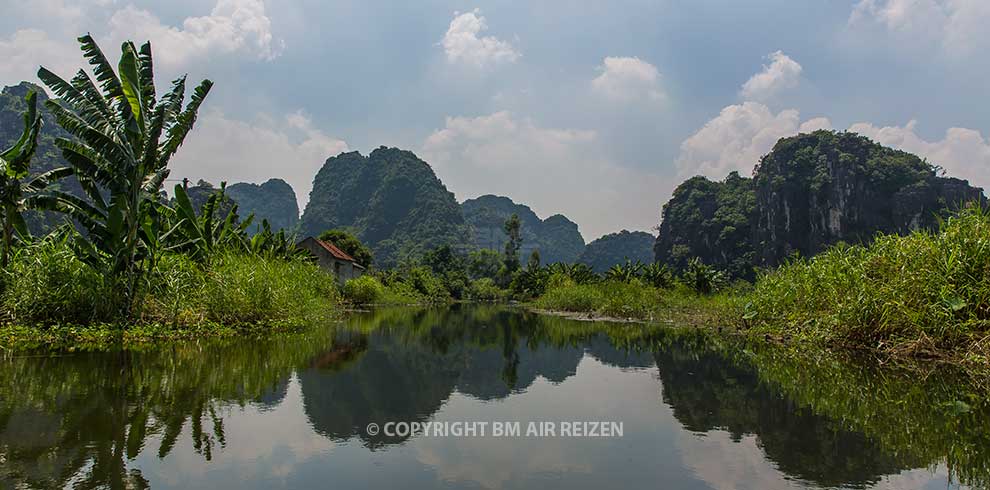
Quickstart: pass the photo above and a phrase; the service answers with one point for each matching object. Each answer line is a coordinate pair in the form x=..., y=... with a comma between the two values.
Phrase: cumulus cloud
x=25, y=50
x=738, y=137
x=226, y=149
x=782, y=73
x=628, y=79
x=462, y=43
x=234, y=26
x=963, y=153
x=956, y=27
x=554, y=170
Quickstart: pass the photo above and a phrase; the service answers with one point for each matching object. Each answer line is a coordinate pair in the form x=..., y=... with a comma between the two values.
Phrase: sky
x=595, y=109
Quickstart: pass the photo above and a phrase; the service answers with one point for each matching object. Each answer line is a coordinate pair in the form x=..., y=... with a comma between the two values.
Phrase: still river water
x=293, y=412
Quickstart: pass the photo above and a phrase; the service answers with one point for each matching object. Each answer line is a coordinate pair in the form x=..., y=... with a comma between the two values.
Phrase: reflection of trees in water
x=77, y=419
x=83, y=417
x=706, y=392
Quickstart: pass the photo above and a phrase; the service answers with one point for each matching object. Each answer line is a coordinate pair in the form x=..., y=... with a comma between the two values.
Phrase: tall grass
x=924, y=290
x=47, y=285
x=620, y=299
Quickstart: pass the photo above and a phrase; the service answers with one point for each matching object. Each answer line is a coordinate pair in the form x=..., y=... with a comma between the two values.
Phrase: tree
x=350, y=244
x=512, y=228
x=14, y=168
x=484, y=263
x=534, y=260
x=124, y=138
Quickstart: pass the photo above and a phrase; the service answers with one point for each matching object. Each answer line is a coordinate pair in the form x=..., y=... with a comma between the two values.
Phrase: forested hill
x=47, y=156
x=273, y=200
x=391, y=199
x=617, y=248
x=811, y=191
x=557, y=238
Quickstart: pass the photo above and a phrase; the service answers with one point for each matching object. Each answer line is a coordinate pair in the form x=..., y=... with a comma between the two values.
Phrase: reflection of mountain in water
x=708, y=392
x=605, y=352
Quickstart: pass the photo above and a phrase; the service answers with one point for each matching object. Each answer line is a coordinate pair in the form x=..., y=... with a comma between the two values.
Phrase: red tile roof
x=336, y=252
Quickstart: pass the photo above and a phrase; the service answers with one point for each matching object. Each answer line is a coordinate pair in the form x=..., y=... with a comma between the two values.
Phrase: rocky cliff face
x=390, y=199
x=811, y=191
x=712, y=221
x=273, y=200
x=617, y=248
x=557, y=238
x=814, y=190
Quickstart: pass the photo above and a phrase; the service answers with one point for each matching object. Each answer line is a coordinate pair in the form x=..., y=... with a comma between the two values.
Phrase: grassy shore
x=49, y=297
x=925, y=295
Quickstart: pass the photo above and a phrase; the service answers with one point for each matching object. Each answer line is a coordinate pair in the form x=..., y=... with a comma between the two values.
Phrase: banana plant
x=15, y=187
x=124, y=138
x=624, y=273
x=276, y=244
x=658, y=275
x=201, y=235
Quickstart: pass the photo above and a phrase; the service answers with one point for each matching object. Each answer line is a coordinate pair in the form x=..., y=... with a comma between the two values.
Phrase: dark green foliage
x=350, y=244
x=578, y=273
x=557, y=238
x=392, y=201
x=16, y=184
x=47, y=156
x=534, y=260
x=617, y=248
x=624, y=272
x=484, y=263
x=512, y=229
x=450, y=268
x=811, y=191
x=710, y=220
x=702, y=278
x=124, y=137
x=274, y=201
x=657, y=275
x=202, y=234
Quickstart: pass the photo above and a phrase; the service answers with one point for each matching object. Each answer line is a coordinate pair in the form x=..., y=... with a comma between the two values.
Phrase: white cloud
x=226, y=149
x=550, y=169
x=25, y=50
x=782, y=73
x=956, y=27
x=738, y=137
x=964, y=153
x=628, y=79
x=234, y=26
x=462, y=44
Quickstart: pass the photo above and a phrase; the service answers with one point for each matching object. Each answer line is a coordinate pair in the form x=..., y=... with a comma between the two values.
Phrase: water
x=293, y=412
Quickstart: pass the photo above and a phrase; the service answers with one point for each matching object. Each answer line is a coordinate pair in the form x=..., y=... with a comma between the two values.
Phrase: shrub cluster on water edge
x=921, y=294
x=46, y=286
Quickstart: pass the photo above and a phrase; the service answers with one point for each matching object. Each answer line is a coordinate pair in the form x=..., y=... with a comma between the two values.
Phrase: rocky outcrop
x=557, y=238
x=390, y=199
x=273, y=200
x=617, y=248
x=812, y=191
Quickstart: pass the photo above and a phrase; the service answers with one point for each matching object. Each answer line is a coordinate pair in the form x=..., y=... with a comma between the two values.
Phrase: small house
x=333, y=259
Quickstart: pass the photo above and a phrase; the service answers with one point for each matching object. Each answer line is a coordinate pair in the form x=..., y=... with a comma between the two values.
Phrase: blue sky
x=594, y=109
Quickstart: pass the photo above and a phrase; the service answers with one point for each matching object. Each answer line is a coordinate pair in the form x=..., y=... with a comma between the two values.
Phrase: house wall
x=343, y=270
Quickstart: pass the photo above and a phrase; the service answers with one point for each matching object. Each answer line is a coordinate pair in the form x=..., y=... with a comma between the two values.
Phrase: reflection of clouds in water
x=265, y=443
x=728, y=465
x=601, y=393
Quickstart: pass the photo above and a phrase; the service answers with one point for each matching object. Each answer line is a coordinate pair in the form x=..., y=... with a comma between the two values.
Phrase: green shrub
x=926, y=286
x=247, y=289
x=485, y=289
x=46, y=283
x=364, y=290
x=631, y=299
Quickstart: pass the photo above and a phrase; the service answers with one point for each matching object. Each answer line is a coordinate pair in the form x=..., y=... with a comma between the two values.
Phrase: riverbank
x=923, y=296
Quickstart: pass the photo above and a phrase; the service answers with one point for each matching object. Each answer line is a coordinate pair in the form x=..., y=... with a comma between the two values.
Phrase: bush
x=46, y=283
x=364, y=290
x=622, y=299
x=925, y=286
x=485, y=289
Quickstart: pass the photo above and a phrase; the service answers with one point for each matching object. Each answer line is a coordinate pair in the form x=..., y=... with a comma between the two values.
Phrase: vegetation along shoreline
x=835, y=242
